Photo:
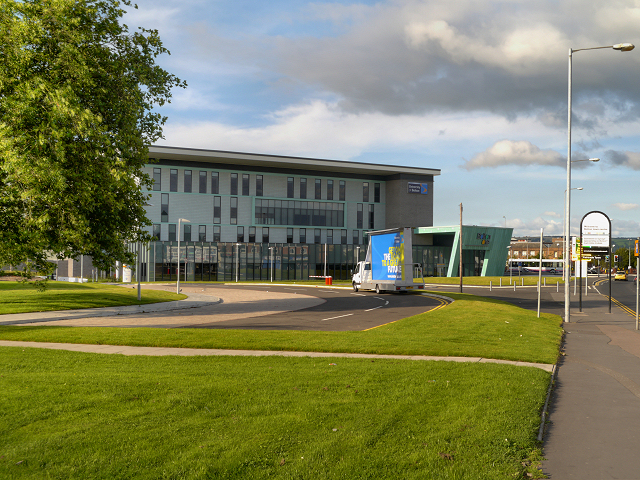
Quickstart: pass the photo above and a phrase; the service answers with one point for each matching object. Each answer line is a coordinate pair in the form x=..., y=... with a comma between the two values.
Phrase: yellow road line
x=443, y=303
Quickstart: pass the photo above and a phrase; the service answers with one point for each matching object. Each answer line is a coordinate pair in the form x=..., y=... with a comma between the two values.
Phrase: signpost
x=595, y=241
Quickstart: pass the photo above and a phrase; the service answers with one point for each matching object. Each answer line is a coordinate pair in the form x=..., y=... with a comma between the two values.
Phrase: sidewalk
x=194, y=300
x=594, y=429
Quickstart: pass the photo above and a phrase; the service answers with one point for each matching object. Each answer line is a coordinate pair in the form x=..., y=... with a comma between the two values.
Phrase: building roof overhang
x=257, y=160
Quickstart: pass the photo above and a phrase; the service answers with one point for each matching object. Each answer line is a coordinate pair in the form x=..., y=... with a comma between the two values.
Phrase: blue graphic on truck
x=387, y=256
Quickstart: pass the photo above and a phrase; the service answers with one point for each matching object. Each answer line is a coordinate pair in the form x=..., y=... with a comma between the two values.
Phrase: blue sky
x=476, y=89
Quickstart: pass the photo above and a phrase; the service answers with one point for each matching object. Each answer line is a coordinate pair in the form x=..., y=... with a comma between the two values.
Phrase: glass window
x=365, y=191
x=289, y=235
x=359, y=218
x=240, y=234
x=245, y=184
x=203, y=182
x=156, y=231
x=187, y=232
x=258, y=185
x=265, y=234
x=342, y=191
x=289, y=187
x=164, y=209
x=187, y=181
x=371, y=216
x=303, y=235
x=316, y=235
x=252, y=234
x=216, y=233
x=217, y=210
x=303, y=188
x=234, y=184
x=215, y=183
x=376, y=192
x=330, y=237
x=157, y=178
x=172, y=232
x=234, y=211
x=356, y=237
x=318, y=189
x=343, y=237
x=173, y=180
x=202, y=233
x=329, y=189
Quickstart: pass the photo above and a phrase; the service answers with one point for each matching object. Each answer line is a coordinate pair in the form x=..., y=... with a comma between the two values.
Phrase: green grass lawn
x=470, y=327
x=91, y=416
x=18, y=297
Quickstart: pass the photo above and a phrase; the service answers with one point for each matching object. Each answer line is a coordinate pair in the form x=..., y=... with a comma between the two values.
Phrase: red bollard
x=328, y=280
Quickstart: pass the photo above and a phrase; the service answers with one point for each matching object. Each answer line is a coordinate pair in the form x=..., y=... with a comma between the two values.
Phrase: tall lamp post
x=180, y=220
x=271, y=258
x=623, y=47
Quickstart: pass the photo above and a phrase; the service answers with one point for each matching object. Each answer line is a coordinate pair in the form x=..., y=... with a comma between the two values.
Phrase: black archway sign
x=601, y=234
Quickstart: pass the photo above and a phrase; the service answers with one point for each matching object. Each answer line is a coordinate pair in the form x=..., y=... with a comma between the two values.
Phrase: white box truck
x=389, y=264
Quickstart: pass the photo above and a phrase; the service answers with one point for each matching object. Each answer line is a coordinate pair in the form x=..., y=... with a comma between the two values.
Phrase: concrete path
x=190, y=352
x=201, y=307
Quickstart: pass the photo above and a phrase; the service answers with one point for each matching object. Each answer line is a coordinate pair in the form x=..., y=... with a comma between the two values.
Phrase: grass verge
x=470, y=327
x=75, y=415
x=18, y=297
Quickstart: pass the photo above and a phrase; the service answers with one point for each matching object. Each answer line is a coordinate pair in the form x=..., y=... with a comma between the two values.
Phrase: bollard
x=489, y=285
x=545, y=281
x=500, y=281
x=514, y=286
x=557, y=286
x=522, y=281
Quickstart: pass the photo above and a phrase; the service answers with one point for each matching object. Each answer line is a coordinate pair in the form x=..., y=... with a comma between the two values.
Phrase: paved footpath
x=593, y=431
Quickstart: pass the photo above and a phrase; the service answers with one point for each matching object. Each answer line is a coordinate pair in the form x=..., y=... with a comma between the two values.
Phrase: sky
x=476, y=89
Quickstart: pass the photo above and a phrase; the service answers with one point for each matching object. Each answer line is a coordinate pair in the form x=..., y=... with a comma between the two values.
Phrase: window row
x=290, y=212
x=204, y=179
x=331, y=236
x=286, y=212
x=213, y=178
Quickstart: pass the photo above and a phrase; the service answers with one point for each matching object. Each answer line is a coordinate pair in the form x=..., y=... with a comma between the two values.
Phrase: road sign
x=636, y=254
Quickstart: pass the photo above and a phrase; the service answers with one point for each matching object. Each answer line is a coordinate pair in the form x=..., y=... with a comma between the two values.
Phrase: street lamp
x=623, y=47
x=237, y=260
x=505, y=221
x=180, y=220
x=271, y=258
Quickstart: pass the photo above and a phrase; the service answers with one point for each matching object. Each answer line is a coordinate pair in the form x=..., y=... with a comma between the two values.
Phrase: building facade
x=251, y=216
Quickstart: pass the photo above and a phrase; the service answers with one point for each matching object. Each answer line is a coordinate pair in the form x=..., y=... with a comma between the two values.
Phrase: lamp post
x=271, y=258
x=180, y=220
x=505, y=221
x=623, y=47
x=237, y=260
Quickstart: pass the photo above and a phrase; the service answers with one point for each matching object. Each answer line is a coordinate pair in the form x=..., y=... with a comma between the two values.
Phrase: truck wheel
x=378, y=289
x=355, y=287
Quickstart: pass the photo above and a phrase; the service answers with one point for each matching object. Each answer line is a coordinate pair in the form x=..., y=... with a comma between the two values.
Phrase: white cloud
x=553, y=214
x=507, y=152
x=625, y=206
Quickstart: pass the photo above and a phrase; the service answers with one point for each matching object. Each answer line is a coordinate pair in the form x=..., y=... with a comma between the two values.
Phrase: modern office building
x=251, y=216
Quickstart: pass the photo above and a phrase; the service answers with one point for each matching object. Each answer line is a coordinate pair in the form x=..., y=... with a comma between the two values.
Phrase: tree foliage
x=77, y=93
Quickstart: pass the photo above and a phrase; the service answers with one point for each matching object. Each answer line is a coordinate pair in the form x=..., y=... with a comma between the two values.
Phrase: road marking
x=375, y=308
x=379, y=298
x=332, y=318
x=387, y=302
x=359, y=294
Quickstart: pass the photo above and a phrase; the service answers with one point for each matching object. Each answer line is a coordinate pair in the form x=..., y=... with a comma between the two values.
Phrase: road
x=342, y=310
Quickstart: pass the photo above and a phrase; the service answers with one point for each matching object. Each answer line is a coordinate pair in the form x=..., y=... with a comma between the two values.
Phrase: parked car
x=621, y=275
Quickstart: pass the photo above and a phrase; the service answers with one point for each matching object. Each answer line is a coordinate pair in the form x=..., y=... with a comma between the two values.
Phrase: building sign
x=415, y=187
x=484, y=238
x=595, y=230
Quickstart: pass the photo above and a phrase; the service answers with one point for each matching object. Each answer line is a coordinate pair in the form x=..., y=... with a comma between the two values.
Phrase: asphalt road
x=342, y=310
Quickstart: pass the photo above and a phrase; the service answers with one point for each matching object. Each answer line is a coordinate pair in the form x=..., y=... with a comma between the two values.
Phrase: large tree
x=77, y=99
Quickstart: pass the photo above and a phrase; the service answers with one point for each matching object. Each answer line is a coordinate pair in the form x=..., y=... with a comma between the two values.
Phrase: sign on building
x=415, y=187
